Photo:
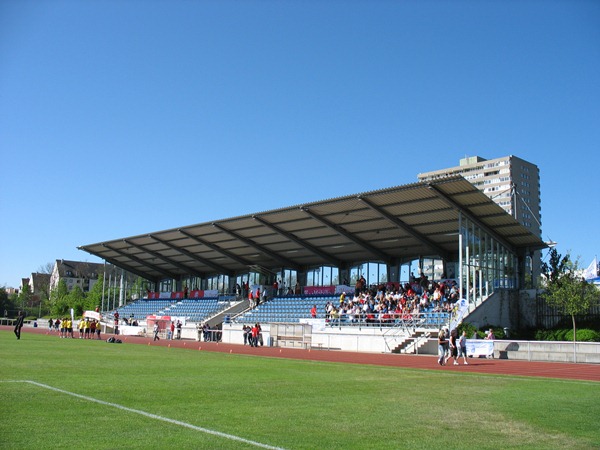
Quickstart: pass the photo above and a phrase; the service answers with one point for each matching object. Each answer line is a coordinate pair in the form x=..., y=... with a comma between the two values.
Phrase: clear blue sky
x=119, y=118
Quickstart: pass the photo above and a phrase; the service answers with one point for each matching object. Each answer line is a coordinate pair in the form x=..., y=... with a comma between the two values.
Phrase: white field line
x=146, y=414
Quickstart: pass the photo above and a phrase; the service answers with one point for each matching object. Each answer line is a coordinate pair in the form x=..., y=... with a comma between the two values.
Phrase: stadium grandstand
x=400, y=262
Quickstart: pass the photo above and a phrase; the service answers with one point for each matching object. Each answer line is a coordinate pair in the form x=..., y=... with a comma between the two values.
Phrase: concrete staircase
x=414, y=342
x=235, y=309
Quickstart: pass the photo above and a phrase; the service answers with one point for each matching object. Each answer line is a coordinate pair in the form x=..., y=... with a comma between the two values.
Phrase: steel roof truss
x=405, y=227
x=326, y=256
x=289, y=263
x=187, y=270
x=140, y=261
x=217, y=249
x=375, y=251
x=217, y=267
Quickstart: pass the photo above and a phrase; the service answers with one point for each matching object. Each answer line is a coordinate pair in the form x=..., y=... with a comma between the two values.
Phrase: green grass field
x=137, y=396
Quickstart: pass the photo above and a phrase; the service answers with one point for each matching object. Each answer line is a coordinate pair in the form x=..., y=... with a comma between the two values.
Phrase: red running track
x=589, y=372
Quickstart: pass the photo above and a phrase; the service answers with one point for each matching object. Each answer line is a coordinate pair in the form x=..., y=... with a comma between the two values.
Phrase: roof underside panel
x=394, y=224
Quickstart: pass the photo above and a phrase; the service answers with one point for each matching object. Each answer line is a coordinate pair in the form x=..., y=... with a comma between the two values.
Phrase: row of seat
x=293, y=309
x=193, y=309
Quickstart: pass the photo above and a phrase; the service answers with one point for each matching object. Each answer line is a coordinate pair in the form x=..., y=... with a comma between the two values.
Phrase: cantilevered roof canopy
x=389, y=225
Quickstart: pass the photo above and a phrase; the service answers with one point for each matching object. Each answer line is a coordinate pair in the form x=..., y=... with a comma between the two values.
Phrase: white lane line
x=146, y=414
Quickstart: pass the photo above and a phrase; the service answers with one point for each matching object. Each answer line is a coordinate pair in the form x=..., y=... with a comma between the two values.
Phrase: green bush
x=583, y=335
x=561, y=335
x=470, y=329
x=566, y=334
x=542, y=335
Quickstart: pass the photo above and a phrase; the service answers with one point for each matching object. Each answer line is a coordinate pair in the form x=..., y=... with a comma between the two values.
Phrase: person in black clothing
x=453, y=347
x=19, y=324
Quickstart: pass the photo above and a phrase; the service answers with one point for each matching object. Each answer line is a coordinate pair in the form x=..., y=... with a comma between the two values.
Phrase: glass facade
x=485, y=264
x=322, y=276
x=375, y=273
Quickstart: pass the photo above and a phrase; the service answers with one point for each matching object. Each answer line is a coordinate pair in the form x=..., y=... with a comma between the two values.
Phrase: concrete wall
x=506, y=309
x=375, y=340
x=581, y=352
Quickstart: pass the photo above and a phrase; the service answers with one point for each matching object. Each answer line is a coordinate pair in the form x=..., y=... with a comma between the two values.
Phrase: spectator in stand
x=297, y=289
x=328, y=308
x=357, y=288
x=275, y=288
x=313, y=312
x=265, y=296
x=490, y=335
x=334, y=316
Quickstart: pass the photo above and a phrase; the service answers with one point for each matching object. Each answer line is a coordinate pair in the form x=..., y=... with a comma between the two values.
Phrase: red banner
x=319, y=290
x=179, y=294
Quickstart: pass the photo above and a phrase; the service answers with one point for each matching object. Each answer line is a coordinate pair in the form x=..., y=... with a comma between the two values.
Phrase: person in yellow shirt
x=68, y=328
x=80, y=326
x=86, y=328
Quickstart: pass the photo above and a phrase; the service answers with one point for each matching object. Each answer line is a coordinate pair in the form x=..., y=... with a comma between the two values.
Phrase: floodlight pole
x=103, y=285
x=460, y=264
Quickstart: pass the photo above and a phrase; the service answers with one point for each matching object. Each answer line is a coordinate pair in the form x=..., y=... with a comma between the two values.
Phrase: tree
x=76, y=300
x=47, y=268
x=94, y=297
x=570, y=294
x=6, y=303
x=557, y=266
x=58, y=299
x=24, y=298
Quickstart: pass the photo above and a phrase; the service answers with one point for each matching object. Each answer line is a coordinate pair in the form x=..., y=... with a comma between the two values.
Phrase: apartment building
x=75, y=273
x=511, y=182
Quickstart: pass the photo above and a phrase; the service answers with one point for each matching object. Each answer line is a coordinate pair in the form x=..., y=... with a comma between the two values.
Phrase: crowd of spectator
x=388, y=302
